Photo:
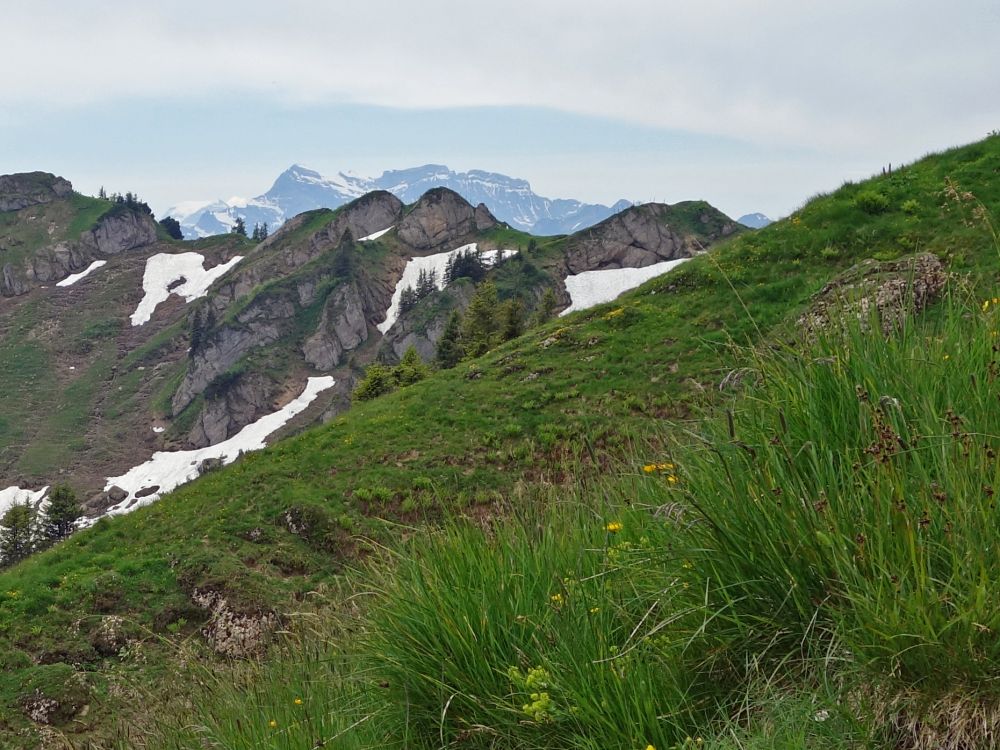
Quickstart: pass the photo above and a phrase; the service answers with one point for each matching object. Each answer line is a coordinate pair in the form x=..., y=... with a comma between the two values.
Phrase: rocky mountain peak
x=442, y=216
x=647, y=234
x=25, y=189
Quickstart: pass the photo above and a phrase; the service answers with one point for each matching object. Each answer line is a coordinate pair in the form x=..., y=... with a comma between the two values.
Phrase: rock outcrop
x=644, y=235
x=118, y=231
x=441, y=217
x=884, y=291
x=259, y=324
x=240, y=403
x=343, y=326
x=26, y=189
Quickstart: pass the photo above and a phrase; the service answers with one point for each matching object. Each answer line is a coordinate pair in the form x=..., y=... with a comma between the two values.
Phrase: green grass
x=748, y=588
x=563, y=406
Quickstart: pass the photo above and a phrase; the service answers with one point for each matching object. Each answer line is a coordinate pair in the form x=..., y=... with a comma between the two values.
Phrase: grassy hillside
x=598, y=393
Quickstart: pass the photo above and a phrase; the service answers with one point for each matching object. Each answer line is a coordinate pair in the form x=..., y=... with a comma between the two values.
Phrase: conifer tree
x=546, y=307
x=239, y=227
x=16, y=534
x=449, y=346
x=410, y=369
x=378, y=380
x=511, y=319
x=264, y=231
x=426, y=283
x=481, y=326
x=172, y=227
x=407, y=299
x=59, y=518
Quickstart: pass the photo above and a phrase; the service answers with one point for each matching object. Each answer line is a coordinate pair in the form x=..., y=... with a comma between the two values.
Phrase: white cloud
x=853, y=77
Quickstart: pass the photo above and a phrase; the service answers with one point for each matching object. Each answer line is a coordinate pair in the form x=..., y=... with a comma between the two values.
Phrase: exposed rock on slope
x=441, y=217
x=19, y=191
x=648, y=234
x=342, y=327
x=889, y=291
x=115, y=233
x=52, y=254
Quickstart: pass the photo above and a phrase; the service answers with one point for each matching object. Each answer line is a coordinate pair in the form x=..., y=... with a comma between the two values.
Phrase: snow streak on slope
x=70, y=280
x=16, y=496
x=168, y=470
x=594, y=287
x=164, y=269
x=377, y=234
x=429, y=263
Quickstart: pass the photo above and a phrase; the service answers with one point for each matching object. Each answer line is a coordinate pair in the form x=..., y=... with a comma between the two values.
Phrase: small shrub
x=871, y=202
x=910, y=206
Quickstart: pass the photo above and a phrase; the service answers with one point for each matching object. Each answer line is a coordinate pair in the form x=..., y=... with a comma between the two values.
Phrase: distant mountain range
x=754, y=221
x=299, y=189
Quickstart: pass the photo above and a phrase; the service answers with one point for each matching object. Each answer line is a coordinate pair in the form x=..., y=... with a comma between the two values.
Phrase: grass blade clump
x=850, y=495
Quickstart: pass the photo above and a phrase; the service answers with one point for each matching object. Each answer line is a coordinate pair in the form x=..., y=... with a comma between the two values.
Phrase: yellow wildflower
x=672, y=479
x=298, y=701
x=272, y=723
x=650, y=747
x=649, y=468
x=614, y=527
x=594, y=610
x=556, y=599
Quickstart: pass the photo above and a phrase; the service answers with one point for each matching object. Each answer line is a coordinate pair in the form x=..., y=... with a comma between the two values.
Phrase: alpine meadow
x=429, y=460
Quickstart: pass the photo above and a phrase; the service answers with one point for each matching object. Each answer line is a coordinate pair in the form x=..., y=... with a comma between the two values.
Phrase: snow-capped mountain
x=299, y=189
x=754, y=221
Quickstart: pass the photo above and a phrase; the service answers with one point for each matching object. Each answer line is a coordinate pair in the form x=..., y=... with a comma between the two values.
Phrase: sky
x=753, y=106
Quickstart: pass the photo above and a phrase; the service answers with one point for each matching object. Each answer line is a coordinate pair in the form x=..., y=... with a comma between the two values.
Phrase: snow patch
x=595, y=287
x=158, y=430
x=73, y=278
x=170, y=469
x=378, y=234
x=164, y=269
x=16, y=496
x=428, y=263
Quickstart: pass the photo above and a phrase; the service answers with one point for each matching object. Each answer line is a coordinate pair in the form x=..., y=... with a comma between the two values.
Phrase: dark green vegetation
x=663, y=571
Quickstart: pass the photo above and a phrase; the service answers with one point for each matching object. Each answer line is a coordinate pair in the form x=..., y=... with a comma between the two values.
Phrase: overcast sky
x=750, y=105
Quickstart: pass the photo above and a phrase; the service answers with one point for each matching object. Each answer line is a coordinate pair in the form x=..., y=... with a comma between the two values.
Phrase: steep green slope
x=561, y=403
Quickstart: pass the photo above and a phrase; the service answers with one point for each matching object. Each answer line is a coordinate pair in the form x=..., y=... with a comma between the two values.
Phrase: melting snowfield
x=377, y=234
x=72, y=279
x=170, y=469
x=16, y=496
x=594, y=287
x=165, y=269
x=428, y=263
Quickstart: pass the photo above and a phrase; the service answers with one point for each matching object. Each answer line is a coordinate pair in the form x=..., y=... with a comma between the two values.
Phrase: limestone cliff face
x=26, y=189
x=115, y=233
x=442, y=217
x=248, y=397
x=258, y=325
x=644, y=235
x=343, y=326
x=118, y=231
